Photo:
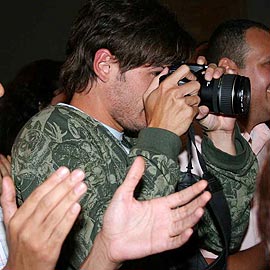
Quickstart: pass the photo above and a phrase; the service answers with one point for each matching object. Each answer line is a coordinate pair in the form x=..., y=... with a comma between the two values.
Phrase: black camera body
x=228, y=95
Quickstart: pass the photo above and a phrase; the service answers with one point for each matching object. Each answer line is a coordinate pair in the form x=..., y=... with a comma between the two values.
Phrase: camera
x=228, y=95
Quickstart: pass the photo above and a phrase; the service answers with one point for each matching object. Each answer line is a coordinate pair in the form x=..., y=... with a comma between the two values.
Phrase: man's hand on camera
x=213, y=71
x=170, y=106
x=219, y=128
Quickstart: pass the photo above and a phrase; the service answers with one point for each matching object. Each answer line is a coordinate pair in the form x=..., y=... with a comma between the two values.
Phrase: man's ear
x=228, y=64
x=102, y=64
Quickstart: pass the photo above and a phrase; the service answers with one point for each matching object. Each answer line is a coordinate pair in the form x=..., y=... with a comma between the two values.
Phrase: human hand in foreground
x=170, y=106
x=5, y=168
x=37, y=230
x=134, y=229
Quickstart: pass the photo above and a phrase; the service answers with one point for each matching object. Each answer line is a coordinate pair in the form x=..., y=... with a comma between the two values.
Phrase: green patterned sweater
x=64, y=136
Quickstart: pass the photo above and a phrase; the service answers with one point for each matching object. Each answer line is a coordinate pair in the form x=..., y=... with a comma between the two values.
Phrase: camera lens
x=229, y=95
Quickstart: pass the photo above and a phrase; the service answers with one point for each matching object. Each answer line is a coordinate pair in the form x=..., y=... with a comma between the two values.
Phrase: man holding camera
x=116, y=54
x=244, y=47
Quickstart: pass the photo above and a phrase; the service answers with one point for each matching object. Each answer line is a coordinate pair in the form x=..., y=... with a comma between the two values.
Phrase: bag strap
x=218, y=207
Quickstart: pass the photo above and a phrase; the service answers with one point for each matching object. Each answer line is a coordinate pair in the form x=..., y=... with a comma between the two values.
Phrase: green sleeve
x=237, y=175
x=160, y=149
x=62, y=140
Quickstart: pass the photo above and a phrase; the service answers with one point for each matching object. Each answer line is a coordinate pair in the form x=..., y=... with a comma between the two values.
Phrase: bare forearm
x=224, y=141
x=98, y=258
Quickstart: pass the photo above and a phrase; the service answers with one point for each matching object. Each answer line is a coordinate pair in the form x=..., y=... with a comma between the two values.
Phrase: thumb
x=201, y=60
x=8, y=199
x=155, y=83
x=203, y=112
x=133, y=177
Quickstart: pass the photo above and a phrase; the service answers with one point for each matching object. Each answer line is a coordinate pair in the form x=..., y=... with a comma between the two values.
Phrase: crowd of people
x=113, y=150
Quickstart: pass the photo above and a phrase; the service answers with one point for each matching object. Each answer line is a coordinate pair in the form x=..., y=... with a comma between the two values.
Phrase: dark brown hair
x=229, y=40
x=136, y=32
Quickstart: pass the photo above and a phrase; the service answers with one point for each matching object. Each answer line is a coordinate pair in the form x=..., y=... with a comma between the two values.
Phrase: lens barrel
x=229, y=95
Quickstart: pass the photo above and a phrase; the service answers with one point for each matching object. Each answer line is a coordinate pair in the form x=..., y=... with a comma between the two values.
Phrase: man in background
x=244, y=47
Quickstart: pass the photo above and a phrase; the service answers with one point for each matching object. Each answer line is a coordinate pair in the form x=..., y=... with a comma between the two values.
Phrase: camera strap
x=218, y=207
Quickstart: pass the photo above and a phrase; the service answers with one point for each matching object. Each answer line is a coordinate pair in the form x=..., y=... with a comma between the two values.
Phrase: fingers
x=48, y=201
x=52, y=181
x=172, y=81
x=203, y=112
x=186, y=195
x=51, y=217
x=201, y=60
x=181, y=239
x=213, y=72
x=185, y=219
x=188, y=89
x=5, y=166
x=133, y=177
x=231, y=71
x=187, y=216
x=155, y=83
x=192, y=100
x=60, y=232
x=8, y=199
x=186, y=222
x=31, y=203
x=63, y=211
x=182, y=212
x=182, y=72
x=216, y=72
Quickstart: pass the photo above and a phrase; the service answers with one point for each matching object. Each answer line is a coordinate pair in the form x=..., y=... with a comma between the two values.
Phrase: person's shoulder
x=51, y=115
x=74, y=115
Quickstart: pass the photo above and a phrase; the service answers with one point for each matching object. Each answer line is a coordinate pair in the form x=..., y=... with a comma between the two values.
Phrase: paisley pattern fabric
x=64, y=136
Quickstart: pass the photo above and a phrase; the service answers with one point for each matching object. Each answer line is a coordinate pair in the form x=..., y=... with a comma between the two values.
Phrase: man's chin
x=135, y=128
